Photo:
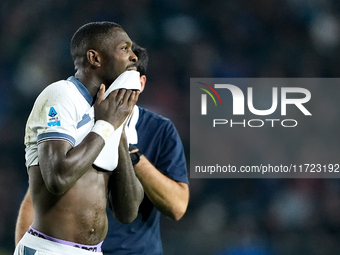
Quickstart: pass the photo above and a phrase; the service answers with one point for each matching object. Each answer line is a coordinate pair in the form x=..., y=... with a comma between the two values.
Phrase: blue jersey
x=160, y=143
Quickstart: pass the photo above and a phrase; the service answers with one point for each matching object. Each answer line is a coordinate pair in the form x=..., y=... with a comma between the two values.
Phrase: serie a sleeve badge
x=53, y=116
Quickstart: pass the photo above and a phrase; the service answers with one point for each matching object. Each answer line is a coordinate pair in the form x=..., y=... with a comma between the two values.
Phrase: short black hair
x=90, y=35
x=143, y=58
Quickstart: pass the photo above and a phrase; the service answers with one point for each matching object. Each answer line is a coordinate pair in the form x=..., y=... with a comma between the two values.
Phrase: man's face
x=117, y=56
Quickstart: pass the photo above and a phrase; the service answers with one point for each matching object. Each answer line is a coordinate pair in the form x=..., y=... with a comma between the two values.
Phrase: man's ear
x=142, y=82
x=94, y=58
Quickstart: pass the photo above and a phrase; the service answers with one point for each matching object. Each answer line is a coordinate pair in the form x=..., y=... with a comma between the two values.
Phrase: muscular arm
x=61, y=164
x=125, y=191
x=25, y=217
x=169, y=196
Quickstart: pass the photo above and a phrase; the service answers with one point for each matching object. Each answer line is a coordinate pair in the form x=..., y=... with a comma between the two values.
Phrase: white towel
x=130, y=128
x=127, y=80
x=108, y=157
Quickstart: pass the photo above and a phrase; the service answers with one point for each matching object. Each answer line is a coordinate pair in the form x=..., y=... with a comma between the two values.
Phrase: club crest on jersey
x=53, y=118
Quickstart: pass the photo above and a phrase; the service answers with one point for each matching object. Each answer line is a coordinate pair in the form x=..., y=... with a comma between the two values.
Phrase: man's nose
x=133, y=57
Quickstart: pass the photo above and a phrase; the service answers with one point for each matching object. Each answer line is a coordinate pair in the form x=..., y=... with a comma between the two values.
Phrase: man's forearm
x=125, y=190
x=25, y=217
x=169, y=196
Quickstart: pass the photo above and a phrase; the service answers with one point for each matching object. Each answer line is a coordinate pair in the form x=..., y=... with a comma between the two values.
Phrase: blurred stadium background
x=188, y=38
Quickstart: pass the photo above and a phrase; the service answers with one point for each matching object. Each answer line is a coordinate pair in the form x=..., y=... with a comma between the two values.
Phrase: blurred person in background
x=67, y=129
x=160, y=166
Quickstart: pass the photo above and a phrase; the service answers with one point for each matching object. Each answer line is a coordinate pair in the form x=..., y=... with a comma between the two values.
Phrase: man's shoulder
x=58, y=88
x=61, y=86
x=61, y=92
x=151, y=123
x=152, y=116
